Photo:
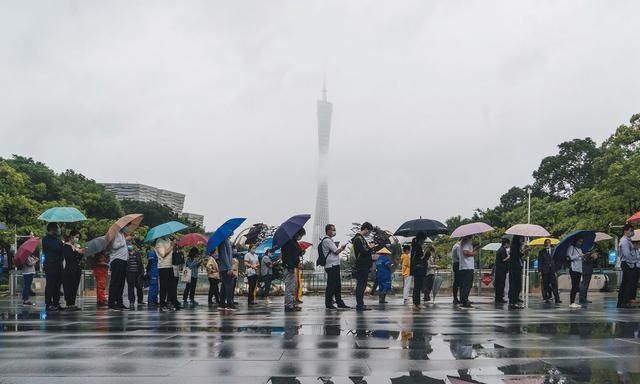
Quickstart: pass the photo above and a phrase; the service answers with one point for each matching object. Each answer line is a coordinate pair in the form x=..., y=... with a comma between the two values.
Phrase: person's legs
x=501, y=275
x=515, y=285
x=131, y=286
x=251, y=295
x=152, y=298
x=185, y=294
x=210, y=295
x=67, y=282
x=290, y=288
x=584, y=287
x=553, y=284
x=456, y=281
x=466, y=281
x=166, y=275
x=428, y=286
x=192, y=289
x=26, y=289
x=406, y=287
x=140, y=289
x=330, y=291
x=418, y=284
x=118, y=277
x=338, y=288
x=575, y=285
x=634, y=283
x=100, y=275
x=266, y=287
x=361, y=284
x=545, y=285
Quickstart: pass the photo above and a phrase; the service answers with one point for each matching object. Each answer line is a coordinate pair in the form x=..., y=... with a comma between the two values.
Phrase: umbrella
x=164, y=230
x=3, y=226
x=132, y=221
x=525, y=380
x=460, y=380
x=416, y=378
x=527, y=230
x=437, y=282
x=636, y=237
x=62, y=215
x=601, y=236
x=429, y=227
x=26, y=249
x=223, y=232
x=94, y=246
x=492, y=247
x=560, y=251
x=192, y=240
x=541, y=241
x=471, y=229
x=635, y=217
x=304, y=245
x=288, y=229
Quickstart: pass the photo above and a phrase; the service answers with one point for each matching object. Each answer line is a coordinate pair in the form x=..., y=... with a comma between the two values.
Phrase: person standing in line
x=383, y=275
x=119, y=257
x=52, y=248
x=363, y=261
x=291, y=254
x=575, y=255
x=100, y=273
x=28, y=272
x=152, y=272
x=431, y=273
x=502, y=268
x=72, y=254
x=190, y=287
x=515, y=273
x=235, y=267
x=467, y=265
x=419, y=265
x=177, y=260
x=213, y=274
x=588, y=262
x=225, y=265
x=634, y=289
x=266, y=274
x=406, y=273
x=168, y=295
x=251, y=265
x=331, y=252
x=135, y=271
x=548, y=270
x=628, y=263
x=455, y=258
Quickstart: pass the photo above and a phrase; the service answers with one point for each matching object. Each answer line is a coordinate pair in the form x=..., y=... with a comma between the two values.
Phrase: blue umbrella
x=560, y=251
x=288, y=229
x=62, y=215
x=163, y=230
x=261, y=248
x=223, y=232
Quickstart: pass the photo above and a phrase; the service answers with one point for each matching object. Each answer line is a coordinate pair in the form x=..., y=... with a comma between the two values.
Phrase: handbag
x=186, y=275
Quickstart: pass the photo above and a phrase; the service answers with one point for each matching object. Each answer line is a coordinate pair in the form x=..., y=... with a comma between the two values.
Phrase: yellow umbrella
x=541, y=240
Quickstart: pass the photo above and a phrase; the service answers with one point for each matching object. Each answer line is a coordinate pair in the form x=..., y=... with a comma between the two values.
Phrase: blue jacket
x=152, y=266
x=225, y=255
x=383, y=273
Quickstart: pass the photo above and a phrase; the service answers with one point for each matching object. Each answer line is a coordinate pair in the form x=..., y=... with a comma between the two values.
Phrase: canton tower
x=321, y=217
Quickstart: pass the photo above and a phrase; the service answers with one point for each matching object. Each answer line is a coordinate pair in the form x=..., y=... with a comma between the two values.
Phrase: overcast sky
x=439, y=106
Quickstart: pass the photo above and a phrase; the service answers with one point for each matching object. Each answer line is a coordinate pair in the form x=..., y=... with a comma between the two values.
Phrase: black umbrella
x=429, y=227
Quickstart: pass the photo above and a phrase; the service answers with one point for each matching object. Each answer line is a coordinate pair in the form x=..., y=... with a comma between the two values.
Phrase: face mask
x=76, y=239
x=130, y=247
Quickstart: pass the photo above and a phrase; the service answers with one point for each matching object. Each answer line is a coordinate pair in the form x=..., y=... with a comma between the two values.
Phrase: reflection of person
x=52, y=249
x=406, y=273
x=628, y=264
x=548, y=269
x=363, y=252
x=502, y=268
x=72, y=254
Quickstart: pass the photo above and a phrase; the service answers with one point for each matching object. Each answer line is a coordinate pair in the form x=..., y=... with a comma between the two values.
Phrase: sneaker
x=501, y=301
x=27, y=303
x=558, y=301
x=193, y=302
x=343, y=306
x=362, y=309
x=547, y=301
x=575, y=306
x=331, y=308
x=184, y=303
x=467, y=306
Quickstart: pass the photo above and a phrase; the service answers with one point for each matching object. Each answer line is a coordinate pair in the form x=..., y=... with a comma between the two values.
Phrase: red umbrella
x=26, y=249
x=635, y=217
x=192, y=240
x=304, y=245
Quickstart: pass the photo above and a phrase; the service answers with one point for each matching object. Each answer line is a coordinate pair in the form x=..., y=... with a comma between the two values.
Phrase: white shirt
x=119, y=249
x=252, y=259
x=466, y=262
x=455, y=253
x=330, y=251
x=575, y=255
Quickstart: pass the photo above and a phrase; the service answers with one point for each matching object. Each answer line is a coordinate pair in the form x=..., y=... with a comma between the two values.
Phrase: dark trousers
x=168, y=290
x=226, y=295
x=466, y=282
x=266, y=287
x=499, y=282
x=362, y=275
x=629, y=277
x=116, y=284
x=190, y=289
x=418, y=286
x=634, y=284
x=428, y=286
x=134, y=285
x=26, y=289
x=70, y=283
x=456, y=280
x=584, y=287
x=214, y=290
x=575, y=285
x=52, y=289
x=334, y=287
x=550, y=286
x=515, y=285
x=251, y=295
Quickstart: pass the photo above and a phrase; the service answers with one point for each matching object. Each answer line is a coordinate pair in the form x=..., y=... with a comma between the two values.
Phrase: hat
x=384, y=251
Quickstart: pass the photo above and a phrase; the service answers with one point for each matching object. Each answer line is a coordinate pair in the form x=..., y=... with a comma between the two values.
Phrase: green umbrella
x=164, y=230
x=62, y=215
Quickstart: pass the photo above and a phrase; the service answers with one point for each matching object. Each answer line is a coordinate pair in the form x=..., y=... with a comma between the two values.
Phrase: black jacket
x=545, y=262
x=291, y=254
x=71, y=258
x=419, y=262
x=515, y=262
x=362, y=252
x=52, y=248
x=501, y=255
x=587, y=265
x=139, y=263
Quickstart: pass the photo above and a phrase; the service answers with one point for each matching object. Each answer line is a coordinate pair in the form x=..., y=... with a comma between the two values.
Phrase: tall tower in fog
x=321, y=217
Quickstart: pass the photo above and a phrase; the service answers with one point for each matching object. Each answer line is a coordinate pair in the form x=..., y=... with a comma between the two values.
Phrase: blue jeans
x=26, y=290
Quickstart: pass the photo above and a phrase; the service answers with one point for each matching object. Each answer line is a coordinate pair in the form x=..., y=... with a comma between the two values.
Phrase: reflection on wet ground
x=391, y=344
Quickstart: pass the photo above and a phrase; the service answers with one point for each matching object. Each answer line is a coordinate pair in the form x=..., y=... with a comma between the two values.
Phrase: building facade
x=193, y=218
x=141, y=192
x=321, y=216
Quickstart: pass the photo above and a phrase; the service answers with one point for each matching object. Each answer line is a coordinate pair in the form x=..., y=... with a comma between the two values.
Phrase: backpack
x=177, y=258
x=322, y=258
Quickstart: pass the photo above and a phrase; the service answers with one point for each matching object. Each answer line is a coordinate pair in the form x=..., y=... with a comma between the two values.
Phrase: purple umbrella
x=471, y=229
x=288, y=229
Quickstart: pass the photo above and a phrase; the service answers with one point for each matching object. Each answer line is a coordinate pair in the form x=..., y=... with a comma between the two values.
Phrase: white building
x=141, y=192
x=193, y=218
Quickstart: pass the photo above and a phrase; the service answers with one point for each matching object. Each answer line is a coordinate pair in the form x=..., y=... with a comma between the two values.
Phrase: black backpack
x=322, y=258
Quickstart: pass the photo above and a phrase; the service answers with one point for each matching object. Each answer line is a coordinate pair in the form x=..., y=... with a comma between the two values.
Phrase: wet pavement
x=391, y=344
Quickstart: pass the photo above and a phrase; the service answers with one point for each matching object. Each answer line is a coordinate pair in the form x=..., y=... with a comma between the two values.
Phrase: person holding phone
x=331, y=251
